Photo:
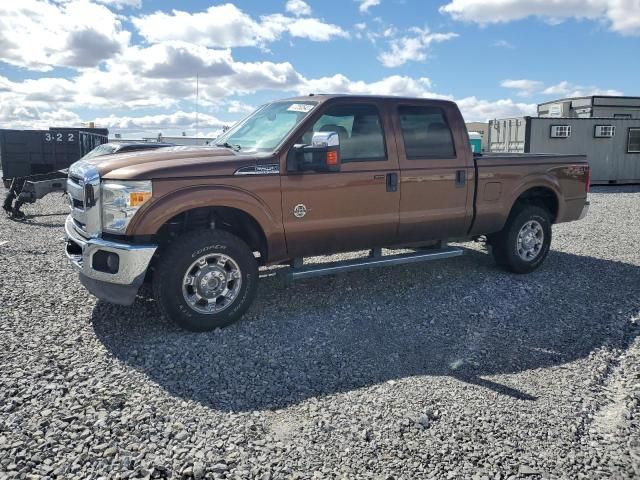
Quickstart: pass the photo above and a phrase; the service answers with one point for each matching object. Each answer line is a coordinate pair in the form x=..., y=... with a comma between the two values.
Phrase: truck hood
x=173, y=162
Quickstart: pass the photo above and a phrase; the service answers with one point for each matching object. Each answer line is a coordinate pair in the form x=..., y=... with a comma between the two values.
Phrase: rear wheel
x=523, y=243
x=205, y=280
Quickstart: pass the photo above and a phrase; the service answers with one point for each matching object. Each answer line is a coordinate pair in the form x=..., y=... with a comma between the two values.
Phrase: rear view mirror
x=323, y=155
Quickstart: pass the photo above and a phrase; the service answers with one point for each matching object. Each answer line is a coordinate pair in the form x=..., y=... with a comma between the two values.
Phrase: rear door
x=436, y=171
x=356, y=207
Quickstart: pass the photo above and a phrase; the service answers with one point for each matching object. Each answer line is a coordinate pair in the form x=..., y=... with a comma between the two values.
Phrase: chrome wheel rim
x=530, y=240
x=212, y=283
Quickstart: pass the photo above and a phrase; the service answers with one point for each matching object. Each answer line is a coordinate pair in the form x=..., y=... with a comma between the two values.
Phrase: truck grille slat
x=83, y=189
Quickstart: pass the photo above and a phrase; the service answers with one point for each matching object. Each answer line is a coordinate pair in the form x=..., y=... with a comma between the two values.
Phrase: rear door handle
x=461, y=178
x=392, y=182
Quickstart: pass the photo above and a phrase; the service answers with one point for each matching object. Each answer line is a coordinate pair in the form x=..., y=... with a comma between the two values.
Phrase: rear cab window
x=425, y=132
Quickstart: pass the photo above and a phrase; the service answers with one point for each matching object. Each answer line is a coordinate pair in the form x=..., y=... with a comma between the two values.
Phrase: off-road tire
x=504, y=244
x=174, y=261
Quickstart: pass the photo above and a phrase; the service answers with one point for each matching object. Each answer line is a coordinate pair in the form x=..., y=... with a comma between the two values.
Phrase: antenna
x=197, y=98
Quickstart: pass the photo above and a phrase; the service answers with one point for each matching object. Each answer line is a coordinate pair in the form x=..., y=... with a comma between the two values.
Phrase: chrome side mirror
x=325, y=140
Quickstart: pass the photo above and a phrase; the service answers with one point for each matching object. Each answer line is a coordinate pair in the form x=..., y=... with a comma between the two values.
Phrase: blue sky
x=130, y=65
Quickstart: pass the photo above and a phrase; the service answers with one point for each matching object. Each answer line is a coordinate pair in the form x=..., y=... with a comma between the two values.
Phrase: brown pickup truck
x=301, y=177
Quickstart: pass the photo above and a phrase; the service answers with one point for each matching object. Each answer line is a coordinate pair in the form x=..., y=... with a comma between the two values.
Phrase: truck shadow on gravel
x=461, y=318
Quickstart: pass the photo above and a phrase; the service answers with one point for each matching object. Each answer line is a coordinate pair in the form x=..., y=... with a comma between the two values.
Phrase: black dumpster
x=29, y=152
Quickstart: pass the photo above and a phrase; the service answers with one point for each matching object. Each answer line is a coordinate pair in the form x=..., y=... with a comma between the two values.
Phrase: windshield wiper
x=235, y=148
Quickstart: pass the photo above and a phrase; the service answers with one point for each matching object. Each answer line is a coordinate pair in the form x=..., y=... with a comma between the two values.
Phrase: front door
x=356, y=207
x=436, y=178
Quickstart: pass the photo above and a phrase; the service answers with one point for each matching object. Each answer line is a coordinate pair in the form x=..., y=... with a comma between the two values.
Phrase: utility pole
x=197, y=98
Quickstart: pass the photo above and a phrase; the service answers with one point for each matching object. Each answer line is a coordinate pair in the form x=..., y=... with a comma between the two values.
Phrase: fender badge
x=300, y=210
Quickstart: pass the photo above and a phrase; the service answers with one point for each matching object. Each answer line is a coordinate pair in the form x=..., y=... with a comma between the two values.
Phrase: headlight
x=120, y=201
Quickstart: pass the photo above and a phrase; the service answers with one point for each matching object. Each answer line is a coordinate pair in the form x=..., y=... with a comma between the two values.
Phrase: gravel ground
x=449, y=369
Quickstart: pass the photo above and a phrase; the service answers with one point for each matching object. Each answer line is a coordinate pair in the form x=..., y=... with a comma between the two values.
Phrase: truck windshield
x=266, y=128
x=104, y=149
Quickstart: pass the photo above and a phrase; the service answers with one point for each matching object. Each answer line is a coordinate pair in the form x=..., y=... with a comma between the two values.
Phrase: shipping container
x=29, y=152
x=612, y=145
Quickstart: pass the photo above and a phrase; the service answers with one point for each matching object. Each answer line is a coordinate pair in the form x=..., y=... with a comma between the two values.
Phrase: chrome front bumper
x=133, y=260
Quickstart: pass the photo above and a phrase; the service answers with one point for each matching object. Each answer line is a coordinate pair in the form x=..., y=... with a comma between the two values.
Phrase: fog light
x=113, y=262
x=107, y=262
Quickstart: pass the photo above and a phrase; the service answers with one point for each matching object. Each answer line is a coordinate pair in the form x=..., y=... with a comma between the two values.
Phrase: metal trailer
x=34, y=161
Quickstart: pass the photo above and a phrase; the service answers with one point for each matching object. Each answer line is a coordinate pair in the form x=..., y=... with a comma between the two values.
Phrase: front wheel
x=524, y=242
x=205, y=280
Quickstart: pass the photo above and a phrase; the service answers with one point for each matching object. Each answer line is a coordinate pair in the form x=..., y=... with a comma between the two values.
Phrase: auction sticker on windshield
x=300, y=107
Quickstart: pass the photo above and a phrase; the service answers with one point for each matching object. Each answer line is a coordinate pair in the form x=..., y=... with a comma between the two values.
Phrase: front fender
x=153, y=215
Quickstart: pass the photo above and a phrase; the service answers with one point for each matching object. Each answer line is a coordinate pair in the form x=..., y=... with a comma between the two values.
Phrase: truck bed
x=527, y=158
x=500, y=178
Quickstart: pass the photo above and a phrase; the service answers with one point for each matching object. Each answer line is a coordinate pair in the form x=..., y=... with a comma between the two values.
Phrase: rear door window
x=425, y=132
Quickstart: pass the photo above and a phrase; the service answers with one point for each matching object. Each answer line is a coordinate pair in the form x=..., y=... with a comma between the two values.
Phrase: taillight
x=588, y=184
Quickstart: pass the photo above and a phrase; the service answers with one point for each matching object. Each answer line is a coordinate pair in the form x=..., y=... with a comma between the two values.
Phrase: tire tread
x=501, y=250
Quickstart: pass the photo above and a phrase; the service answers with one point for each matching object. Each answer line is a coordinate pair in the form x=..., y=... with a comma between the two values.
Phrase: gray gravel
x=452, y=369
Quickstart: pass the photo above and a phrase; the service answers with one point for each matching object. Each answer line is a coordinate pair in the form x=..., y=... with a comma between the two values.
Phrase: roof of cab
x=323, y=97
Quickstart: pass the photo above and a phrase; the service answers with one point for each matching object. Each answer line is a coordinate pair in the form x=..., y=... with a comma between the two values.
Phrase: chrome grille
x=83, y=188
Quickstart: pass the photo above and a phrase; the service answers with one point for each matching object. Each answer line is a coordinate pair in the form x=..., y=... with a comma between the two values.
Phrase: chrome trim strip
x=134, y=259
x=267, y=169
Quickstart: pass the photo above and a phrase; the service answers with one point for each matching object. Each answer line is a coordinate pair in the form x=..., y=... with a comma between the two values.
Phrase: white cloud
x=39, y=35
x=159, y=76
x=174, y=124
x=365, y=5
x=227, y=26
x=475, y=110
x=298, y=7
x=218, y=26
x=124, y=88
x=568, y=89
x=503, y=44
x=392, y=85
x=412, y=47
x=160, y=73
x=174, y=59
x=119, y=4
x=525, y=87
x=179, y=119
x=15, y=114
x=622, y=16
x=307, y=27
x=236, y=106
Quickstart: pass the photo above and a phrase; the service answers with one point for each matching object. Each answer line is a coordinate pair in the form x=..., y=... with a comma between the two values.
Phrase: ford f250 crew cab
x=302, y=177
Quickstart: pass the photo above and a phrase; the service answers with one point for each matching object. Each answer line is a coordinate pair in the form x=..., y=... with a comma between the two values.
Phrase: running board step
x=317, y=270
